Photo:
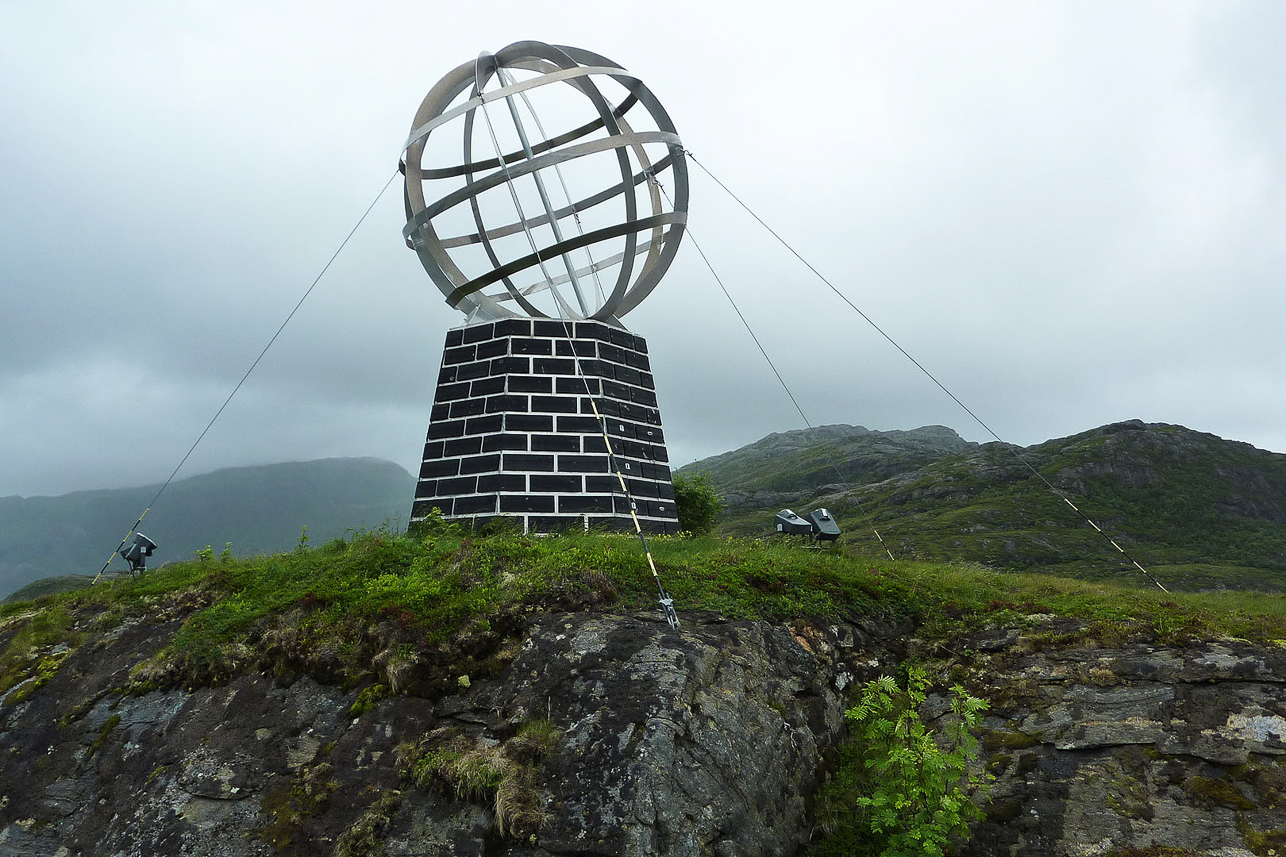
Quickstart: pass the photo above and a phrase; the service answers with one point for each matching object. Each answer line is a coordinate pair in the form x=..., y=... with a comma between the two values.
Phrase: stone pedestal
x=513, y=434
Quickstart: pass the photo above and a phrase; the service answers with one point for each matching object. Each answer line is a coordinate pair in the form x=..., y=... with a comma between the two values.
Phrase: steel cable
x=235, y=389
x=665, y=599
x=780, y=379
x=1012, y=448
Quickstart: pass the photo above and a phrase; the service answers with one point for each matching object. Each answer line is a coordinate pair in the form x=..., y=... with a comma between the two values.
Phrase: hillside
x=787, y=463
x=462, y=694
x=1199, y=511
x=257, y=509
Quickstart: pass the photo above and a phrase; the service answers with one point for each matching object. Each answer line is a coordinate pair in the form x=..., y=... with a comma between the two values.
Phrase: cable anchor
x=668, y=611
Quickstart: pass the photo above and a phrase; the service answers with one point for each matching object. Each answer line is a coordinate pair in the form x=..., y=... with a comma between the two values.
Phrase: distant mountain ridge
x=257, y=509
x=1201, y=511
x=792, y=461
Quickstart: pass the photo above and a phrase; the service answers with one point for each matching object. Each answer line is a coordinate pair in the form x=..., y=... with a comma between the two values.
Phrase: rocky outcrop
x=1101, y=746
x=709, y=740
x=702, y=742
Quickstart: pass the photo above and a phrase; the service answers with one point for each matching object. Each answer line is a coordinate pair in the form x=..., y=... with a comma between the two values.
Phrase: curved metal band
x=599, y=265
x=513, y=157
x=485, y=67
x=478, y=100
x=648, y=280
x=422, y=218
x=526, y=53
x=576, y=207
x=616, y=231
x=578, y=68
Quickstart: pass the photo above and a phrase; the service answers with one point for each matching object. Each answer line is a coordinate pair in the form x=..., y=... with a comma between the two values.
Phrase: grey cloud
x=1070, y=213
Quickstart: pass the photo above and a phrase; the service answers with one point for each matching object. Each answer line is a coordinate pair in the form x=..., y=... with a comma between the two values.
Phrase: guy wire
x=219, y=412
x=1013, y=449
x=768, y=359
x=666, y=600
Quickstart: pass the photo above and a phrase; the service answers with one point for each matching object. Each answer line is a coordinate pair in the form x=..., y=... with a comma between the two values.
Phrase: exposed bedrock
x=711, y=740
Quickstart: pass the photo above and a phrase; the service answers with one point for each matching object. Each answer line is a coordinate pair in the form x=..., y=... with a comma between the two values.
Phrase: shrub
x=918, y=791
x=696, y=501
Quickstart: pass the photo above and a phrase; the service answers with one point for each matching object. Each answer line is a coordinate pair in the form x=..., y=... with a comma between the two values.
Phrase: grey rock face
x=706, y=742
x=1100, y=749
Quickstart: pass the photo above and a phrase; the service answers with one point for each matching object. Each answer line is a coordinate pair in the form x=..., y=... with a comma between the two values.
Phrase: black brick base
x=512, y=433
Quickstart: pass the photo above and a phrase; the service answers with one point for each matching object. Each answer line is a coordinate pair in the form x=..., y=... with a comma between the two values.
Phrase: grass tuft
x=368, y=609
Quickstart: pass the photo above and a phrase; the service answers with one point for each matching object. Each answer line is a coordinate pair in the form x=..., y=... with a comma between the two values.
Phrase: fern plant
x=918, y=795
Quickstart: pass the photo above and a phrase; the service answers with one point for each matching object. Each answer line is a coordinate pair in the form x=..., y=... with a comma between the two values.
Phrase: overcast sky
x=1072, y=213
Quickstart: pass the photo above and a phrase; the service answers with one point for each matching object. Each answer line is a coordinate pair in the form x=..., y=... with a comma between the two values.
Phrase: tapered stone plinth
x=513, y=432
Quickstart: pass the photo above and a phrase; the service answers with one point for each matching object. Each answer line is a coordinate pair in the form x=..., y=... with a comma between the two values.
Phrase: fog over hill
x=257, y=509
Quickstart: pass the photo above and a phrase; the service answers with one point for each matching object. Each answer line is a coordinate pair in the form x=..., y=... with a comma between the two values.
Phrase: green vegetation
x=44, y=670
x=1263, y=843
x=105, y=730
x=913, y=796
x=361, y=611
x=1268, y=779
x=535, y=740
x=387, y=613
x=996, y=739
x=1217, y=791
x=802, y=459
x=366, y=835
x=1199, y=512
x=697, y=502
x=51, y=586
x=368, y=697
x=502, y=776
x=290, y=806
x=29, y=654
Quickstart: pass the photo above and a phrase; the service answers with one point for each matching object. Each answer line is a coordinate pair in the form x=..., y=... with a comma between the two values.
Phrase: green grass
x=34, y=631
x=357, y=611
x=445, y=587
x=1204, y=512
x=503, y=776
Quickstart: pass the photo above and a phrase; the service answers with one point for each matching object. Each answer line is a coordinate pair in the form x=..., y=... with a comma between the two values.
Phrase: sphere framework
x=573, y=210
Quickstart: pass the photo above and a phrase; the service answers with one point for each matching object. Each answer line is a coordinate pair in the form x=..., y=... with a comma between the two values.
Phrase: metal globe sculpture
x=544, y=181
x=546, y=194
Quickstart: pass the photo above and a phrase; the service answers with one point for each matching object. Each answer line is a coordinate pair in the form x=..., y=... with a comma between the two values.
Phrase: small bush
x=696, y=501
x=366, y=836
x=478, y=774
x=918, y=795
x=367, y=698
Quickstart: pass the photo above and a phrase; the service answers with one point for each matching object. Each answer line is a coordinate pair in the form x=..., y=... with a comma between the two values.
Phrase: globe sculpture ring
x=574, y=211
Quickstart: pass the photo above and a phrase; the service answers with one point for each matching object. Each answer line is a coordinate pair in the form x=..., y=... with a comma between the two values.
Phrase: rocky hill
x=1200, y=511
x=452, y=695
x=257, y=509
x=786, y=464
